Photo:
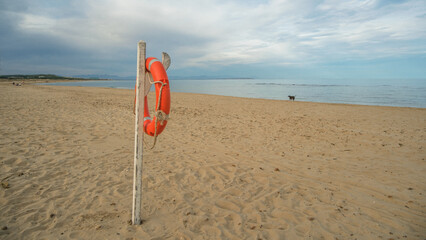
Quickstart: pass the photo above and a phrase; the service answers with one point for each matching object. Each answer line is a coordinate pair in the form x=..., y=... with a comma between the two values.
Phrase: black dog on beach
x=292, y=97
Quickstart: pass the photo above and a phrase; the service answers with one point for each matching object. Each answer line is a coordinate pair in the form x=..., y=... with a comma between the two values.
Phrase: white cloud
x=217, y=32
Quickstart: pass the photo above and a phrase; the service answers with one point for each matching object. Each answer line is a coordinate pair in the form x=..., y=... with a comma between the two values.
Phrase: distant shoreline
x=48, y=80
x=43, y=78
x=280, y=90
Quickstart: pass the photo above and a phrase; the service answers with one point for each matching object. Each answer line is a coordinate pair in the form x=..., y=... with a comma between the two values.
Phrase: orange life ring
x=162, y=107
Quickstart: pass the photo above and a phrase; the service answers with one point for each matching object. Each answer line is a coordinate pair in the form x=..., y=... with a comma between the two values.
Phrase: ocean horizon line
x=378, y=95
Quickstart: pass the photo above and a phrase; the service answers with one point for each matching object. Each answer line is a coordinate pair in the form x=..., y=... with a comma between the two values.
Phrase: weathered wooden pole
x=138, y=159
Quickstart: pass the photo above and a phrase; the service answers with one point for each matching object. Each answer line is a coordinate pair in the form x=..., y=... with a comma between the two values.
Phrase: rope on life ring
x=155, y=126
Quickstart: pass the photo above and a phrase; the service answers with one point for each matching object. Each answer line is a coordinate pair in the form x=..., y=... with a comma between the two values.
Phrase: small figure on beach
x=291, y=97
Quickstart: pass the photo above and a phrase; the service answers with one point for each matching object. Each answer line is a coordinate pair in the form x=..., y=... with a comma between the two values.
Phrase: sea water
x=381, y=93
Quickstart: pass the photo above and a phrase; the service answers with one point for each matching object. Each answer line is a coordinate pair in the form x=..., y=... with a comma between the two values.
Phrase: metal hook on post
x=165, y=59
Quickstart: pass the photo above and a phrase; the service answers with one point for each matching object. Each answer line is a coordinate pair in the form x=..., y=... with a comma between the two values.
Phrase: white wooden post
x=138, y=159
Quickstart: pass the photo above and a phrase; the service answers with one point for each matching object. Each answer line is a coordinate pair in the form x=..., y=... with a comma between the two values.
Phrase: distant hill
x=34, y=76
x=40, y=76
x=37, y=76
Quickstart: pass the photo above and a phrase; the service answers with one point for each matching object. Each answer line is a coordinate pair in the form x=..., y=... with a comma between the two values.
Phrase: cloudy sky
x=365, y=39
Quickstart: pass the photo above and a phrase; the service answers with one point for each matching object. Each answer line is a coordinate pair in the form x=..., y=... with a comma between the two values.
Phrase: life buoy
x=162, y=93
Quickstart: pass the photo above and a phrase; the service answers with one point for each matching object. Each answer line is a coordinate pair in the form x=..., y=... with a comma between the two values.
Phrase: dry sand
x=224, y=168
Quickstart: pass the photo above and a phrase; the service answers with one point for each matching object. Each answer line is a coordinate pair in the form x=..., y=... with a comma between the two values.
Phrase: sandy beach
x=224, y=168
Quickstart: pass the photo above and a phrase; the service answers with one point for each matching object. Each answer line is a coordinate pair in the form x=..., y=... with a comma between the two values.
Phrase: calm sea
x=397, y=93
